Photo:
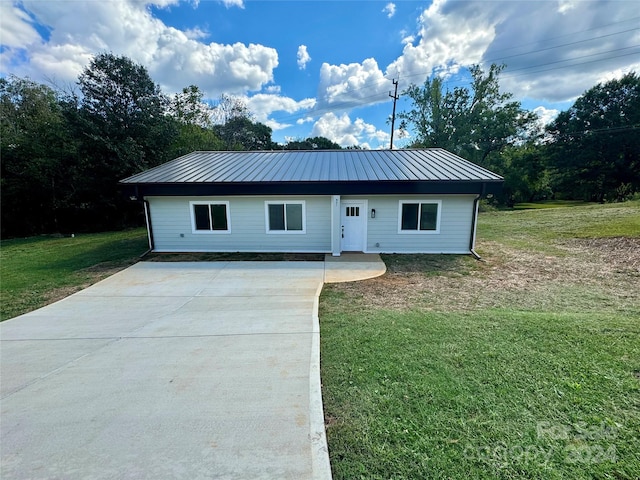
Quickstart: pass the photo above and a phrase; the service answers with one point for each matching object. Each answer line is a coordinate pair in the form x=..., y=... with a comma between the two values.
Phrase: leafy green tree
x=122, y=119
x=526, y=178
x=188, y=108
x=191, y=138
x=230, y=107
x=312, y=143
x=38, y=158
x=195, y=126
x=476, y=123
x=124, y=112
x=235, y=126
x=594, y=152
x=431, y=117
x=240, y=133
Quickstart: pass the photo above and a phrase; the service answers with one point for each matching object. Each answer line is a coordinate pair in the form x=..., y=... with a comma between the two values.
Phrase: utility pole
x=393, y=115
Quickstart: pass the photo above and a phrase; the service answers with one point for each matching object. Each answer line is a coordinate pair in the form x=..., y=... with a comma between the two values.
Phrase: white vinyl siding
x=172, y=225
x=454, y=233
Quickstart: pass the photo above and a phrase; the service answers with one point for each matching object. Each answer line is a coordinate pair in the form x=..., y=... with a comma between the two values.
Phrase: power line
x=549, y=63
x=563, y=45
x=572, y=65
x=578, y=58
x=361, y=101
x=344, y=105
x=621, y=129
x=335, y=107
x=423, y=73
x=597, y=27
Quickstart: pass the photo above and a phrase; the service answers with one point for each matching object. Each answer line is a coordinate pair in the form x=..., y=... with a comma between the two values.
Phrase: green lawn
x=525, y=365
x=38, y=270
x=548, y=204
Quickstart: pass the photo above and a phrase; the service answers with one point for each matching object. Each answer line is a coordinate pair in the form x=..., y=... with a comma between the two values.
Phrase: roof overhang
x=452, y=187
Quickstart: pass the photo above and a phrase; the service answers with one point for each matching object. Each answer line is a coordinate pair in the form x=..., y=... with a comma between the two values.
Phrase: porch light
x=373, y=213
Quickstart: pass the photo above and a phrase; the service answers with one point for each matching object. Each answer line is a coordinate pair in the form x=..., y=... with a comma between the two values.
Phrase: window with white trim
x=210, y=217
x=419, y=216
x=285, y=217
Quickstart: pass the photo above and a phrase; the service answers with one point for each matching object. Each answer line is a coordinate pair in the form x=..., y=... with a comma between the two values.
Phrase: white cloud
x=545, y=115
x=617, y=73
x=262, y=105
x=272, y=89
x=450, y=34
x=565, y=6
x=196, y=33
x=353, y=84
x=341, y=130
x=174, y=58
x=453, y=34
x=390, y=9
x=303, y=57
x=523, y=35
x=17, y=28
x=233, y=3
x=409, y=39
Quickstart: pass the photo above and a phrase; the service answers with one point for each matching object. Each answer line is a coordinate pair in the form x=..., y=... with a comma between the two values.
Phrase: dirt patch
x=89, y=276
x=103, y=270
x=330, y=421
x=582, y=272
x=620, y=253
x=59, y=293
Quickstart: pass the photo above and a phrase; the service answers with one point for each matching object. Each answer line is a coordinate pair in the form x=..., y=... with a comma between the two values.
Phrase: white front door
x=354, y=225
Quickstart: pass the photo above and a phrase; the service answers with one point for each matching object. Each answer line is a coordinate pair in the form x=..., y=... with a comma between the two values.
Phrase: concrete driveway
x=169, y=370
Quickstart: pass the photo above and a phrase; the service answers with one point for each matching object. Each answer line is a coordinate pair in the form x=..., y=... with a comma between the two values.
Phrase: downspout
x=474, y=221
x=147, y=217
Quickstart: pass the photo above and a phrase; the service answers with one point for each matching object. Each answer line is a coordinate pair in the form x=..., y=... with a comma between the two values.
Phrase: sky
x=326, y=68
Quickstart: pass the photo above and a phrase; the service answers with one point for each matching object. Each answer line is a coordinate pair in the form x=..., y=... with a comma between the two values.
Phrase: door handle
x=342, y=231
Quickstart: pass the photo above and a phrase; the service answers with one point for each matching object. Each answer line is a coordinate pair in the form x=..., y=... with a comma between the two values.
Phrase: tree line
x=63, y=152
x=590, y=152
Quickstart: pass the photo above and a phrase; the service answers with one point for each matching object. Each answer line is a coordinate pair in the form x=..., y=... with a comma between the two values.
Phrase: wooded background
x=64, y=151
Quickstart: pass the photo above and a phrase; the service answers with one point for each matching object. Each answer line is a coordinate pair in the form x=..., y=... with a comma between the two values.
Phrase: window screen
x=208, y=217
x=410, y=216
x=294, y=216
x=201, y=215
x=428, y=216
x=285, y=217
x=276, y=216
x=219, y=217
x=419, y=217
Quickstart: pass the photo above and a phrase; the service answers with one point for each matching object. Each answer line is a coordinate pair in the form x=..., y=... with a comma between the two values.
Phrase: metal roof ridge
x=335, y=165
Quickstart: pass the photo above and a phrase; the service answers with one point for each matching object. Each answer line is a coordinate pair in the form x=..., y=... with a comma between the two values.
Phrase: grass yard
x=37, y=271
x=548, y=204
x=523, y=366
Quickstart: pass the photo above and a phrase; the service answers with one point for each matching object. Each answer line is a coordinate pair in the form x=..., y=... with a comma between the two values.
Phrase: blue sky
x=325, y=68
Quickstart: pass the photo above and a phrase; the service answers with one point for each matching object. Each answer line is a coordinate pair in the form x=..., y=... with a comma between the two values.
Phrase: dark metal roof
x=315, y=166
x=317, y=171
